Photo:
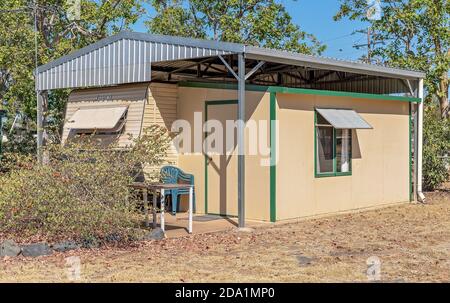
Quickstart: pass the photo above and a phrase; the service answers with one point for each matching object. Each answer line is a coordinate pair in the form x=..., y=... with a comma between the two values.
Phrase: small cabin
x=332, y=135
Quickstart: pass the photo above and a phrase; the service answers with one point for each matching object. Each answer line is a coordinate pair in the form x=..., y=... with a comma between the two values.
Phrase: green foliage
x=150, y=149
x=412, y=34
x=436, y=148
x=19, y=132
x=255, y=22
x=57, y=36
x=12, y=161
x=81, y=192
x=415, y=34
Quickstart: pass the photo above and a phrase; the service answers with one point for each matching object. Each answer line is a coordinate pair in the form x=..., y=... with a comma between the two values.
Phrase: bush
x=81, y=193
x=436, y=148
x=15, y=161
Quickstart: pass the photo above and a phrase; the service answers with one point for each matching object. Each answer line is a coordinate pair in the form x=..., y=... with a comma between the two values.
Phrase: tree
x=58, y=35
x=254, y=22
x=436, y=134
x=413, y=34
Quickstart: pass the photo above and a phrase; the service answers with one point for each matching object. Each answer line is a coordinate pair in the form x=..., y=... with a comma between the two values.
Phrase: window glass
x=343, y=150
x=333, y=149
x=324, y=149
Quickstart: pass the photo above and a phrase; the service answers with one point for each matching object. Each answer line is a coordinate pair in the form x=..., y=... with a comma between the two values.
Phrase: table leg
x=163, y=200
x=191, y=195
x=146, y=207
x=154, y=209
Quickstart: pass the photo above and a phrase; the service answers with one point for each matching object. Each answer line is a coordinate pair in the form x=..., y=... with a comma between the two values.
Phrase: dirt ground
x=411, y=241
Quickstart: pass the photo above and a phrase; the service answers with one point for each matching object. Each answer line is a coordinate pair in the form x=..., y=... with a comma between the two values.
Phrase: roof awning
x=105, y=118
x=343, y=118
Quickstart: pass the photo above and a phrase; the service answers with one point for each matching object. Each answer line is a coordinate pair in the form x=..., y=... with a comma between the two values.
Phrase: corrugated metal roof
x=343, y=118
x=123, y=58
x=127, y=58
x=293, y=58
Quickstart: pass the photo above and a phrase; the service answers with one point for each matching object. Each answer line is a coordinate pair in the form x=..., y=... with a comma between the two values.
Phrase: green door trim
x=273, y=157
x=210, y=103
x=410, y=121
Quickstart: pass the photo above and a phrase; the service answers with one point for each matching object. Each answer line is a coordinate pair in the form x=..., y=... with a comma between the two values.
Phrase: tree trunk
x=45, y=152
x=44, y=119
x=443, y=98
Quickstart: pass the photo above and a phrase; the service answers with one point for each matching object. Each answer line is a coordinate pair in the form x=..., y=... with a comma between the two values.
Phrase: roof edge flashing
x=332, y=93
x=288, y=57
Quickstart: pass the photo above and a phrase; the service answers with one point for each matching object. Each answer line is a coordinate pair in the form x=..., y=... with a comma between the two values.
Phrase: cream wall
x=257, y=177
x=161, y=109
x=380, y=161
x=148, y=103
x=132, y=95
x=380, y=164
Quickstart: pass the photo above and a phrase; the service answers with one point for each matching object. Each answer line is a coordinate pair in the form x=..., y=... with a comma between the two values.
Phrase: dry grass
x=412, y=241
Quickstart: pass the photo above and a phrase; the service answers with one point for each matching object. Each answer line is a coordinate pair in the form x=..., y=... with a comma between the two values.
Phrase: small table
x=161, y=187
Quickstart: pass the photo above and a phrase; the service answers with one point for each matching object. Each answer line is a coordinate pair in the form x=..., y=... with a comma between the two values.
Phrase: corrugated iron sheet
x=353, y=83
x=343, y=118
x=128, y=57
x=118, y=62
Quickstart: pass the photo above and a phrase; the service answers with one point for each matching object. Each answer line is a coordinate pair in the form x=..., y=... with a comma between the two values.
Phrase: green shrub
x=80, y=193
x=15, y=161
x=436, y=146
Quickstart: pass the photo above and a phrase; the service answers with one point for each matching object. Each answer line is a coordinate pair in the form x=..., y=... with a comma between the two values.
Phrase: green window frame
x=335, y=171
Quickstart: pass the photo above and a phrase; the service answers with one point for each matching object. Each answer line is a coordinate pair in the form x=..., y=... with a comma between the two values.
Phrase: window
x=117, y=130
x=102, y=137
x=333, y=146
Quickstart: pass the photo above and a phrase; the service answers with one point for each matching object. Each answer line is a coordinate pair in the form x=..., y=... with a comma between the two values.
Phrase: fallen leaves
x=412, y=243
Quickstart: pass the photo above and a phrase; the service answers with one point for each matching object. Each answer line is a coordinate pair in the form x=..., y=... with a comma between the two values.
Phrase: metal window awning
x=343, y=118
x=104, y=118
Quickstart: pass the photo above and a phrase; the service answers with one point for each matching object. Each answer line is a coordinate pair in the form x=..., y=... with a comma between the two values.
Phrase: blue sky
x=316, y=17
